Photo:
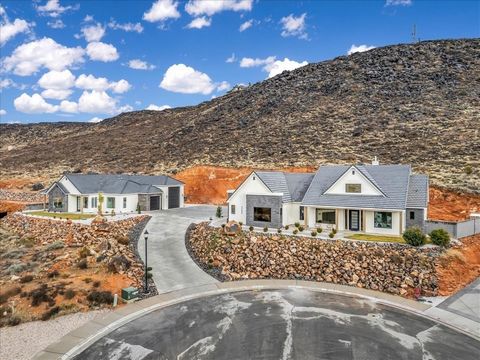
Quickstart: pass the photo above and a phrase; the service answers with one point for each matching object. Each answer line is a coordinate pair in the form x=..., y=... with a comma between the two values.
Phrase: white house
x=121, y=193
x=375, y=199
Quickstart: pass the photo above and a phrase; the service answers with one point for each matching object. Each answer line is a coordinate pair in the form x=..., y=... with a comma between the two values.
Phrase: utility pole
x=414, y=34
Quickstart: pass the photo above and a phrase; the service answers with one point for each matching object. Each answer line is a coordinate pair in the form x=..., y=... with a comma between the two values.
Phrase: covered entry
x=173, y=197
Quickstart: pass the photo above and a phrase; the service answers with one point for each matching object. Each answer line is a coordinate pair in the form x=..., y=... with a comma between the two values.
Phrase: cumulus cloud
x=8, y=30
x=3, y=112
x=398, y=2
x=121, y=86
x=28, y=58
x=34, y=104
x=272, y=65
x=250, y=62
x=360, y=48
x=162, y=10
x=56, y=24
x=246, y=25
x=199, y=23
x=102, y=52
x=185, y=79
x=95, y=120
x=224, y=85
x=96, y=102
x=54, y=9
x=56, y=94
x=211, y=7
x=294, y=26
x=231, y=59
x=69, y=107
x=58, y=80
x=90, y=82
x=138, y=64
x=128, y=27
x=157, y=108
x=6, y=83
x=93, y=32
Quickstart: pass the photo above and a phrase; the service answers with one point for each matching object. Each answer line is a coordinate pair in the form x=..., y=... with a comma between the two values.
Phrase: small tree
x=414, y=236
x=139, y=209
x=218, y=214
x=101, y=199
x=440, y=237
x=265, y=229
x=313, y=233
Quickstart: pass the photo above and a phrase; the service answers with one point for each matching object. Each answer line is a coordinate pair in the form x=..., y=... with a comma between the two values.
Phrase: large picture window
x=353, y=188
x=382, y=220
x=262, y=214
x=94, y=202
x=111, y=202
x=57, y=202
x=85, y=202
x=325, y=216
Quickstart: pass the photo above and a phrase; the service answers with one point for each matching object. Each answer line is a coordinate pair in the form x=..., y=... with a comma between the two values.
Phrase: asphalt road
x=282, y=324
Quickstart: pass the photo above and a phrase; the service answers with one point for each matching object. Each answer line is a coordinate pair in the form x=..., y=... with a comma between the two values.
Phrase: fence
x=456, y=229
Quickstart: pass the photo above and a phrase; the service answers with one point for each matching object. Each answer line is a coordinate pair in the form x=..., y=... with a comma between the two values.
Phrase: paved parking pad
x=282, y=324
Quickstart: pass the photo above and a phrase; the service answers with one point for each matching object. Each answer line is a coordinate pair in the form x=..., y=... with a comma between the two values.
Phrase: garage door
x=173, y=197
x=154, y=203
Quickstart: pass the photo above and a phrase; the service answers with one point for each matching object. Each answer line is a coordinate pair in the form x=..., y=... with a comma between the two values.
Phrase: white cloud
x=93, y=32
x=224, y=85
x=120, y=86
x=231, y=59
x=398, y=2
x=199, y=23
x=279, y=66
x=3, y=112
x=250, y=62
x=157, y=108
x=69, y=107
x=57, y=80
x=138, y=64
x=102, y=52
x=360, y=48
x=28, y=58
x=185, y=79
x=162, y=10
x=53, y=8
x=96, y=102
x=95, y=120
x=88, y=18
x=124, y=108
x=211, y=7
x=56, y=24
x=56, y=94
x=6, y=83
x=8, y=30
x=128, y=27
x=90, y=82
x=34, y=104
x=245, y=25
x=294, y=26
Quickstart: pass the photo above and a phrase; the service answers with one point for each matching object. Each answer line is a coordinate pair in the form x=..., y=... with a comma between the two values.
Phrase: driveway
x=172, y=266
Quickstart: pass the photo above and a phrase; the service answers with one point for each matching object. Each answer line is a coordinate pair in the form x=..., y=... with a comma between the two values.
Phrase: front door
x=154, y=203
x=354, y=220
x=78, y=203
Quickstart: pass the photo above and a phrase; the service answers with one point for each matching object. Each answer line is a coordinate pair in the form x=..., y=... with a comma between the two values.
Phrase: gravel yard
x=23, y=341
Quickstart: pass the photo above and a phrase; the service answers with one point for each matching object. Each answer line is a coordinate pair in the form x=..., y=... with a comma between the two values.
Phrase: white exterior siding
x=165, y=196
x=349, y=178
x=72, y=203
x=341, y=219
x=395, y=230
x=69, y=186
x=291, y=214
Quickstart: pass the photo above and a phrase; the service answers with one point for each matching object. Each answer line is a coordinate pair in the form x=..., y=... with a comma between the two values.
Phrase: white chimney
x=375, y=161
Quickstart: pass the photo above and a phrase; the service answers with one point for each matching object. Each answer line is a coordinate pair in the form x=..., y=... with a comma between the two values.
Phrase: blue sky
x=89, y=60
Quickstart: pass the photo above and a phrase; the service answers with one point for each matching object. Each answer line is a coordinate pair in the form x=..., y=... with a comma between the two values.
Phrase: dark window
x=412, y=215
x=382, y=220
x=111, y=202
x=232, y=209
x=124, y=202
x=58, y=202
x=325, y=216
x=85, y=202
x=302, y=213
x=353, y=188
x=262, y=214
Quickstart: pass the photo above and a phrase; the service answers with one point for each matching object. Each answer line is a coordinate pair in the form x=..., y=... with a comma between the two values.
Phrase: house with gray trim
x=371, y=199
x=122, y=193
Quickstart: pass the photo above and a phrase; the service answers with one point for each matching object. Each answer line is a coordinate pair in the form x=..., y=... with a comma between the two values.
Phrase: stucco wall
x=369, y=224
x=274, y=202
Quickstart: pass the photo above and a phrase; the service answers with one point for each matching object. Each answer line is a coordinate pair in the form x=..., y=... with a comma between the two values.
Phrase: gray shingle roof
x=276, y=182
x=298, y=184
x=392, y=180
x=120, y=184
x=417, y=191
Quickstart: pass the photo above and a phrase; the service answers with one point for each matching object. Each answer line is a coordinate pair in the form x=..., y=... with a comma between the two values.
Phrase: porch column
x=336, y=219
x=401, y=222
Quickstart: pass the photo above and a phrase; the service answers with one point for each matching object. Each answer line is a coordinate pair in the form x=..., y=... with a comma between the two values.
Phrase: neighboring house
x=376, y=199
x=121, y=193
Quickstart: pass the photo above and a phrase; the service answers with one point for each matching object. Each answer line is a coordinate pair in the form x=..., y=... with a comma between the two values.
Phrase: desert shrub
x=301, y=228
x=100, y=297
x=334, y=231
x=319, y=230
x=331, y=235
x=53, y=274
x=297, y=224
x=295, y=232
x=69, y=294
x=39, y=295
x=88, y=280
x=468, y=170
x=452, y=255
x=96, y=284
x=56, y=245
x=13, y=254
x=223, y=226
x=124, y=240
x=4, y=296
x=84, y=252
x=82, y=264
x=440, y=237
x=17, y=268
x=26, y=278
x=286, y=227
x=139, y=209
x=49, y=313
x=279, y=231
x=313, y=233
x=10, y=320
x=414, y=236
x=240, y=223
x=250, y=228
x=112, y=212
x=118, y=263
x=27, y=241
x=265, y=229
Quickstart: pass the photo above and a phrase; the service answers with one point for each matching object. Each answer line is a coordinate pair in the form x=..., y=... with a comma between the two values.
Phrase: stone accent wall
x=144, y=202
x=54, y=193
x=419, y=218
x=267, y=201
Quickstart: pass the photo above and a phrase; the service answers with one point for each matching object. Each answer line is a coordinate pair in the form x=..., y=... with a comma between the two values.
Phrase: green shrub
x=313, y=233
x=139, y=209
x=265, y=229
x=49, y=313
x=39, y=295
x=334, y=231
x=468, y=170
x=82, y=264
x=16, y=268
x=4, y=296
x=69, y=294
x=297, y=224
x=414, y=236
x=240, y=223
x=26, y=278
x=295, y=232
x=250, y=228
x=56, y=245
x=319, y=230
x=84, y=252
x=331, y=235
x=53, y=274
x=96, y=284
x=218, y=213
x=279, y=231
x=440, y=237
x=286, y=227
x=301, y=228
x=100, y=297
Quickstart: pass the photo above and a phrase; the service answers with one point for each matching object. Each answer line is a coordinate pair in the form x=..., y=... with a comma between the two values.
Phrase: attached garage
x=173, y=197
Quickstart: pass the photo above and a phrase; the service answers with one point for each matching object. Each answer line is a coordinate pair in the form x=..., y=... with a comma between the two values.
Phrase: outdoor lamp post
x=145, y=234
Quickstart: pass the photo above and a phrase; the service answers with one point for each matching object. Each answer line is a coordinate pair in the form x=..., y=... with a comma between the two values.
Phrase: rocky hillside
x=415, y=103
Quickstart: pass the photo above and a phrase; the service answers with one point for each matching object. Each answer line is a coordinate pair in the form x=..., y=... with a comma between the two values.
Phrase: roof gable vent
x=375, y=161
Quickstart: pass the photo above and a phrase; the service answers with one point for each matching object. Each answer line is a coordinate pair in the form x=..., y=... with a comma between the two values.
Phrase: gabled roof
x=417, y=191
x=120, y=184
x=60, y=185
x=292, y=185
x=298, y=184
x=391, y=180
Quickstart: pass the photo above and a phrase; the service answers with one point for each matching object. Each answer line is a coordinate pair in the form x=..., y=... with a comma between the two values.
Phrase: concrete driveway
x=172, y=267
